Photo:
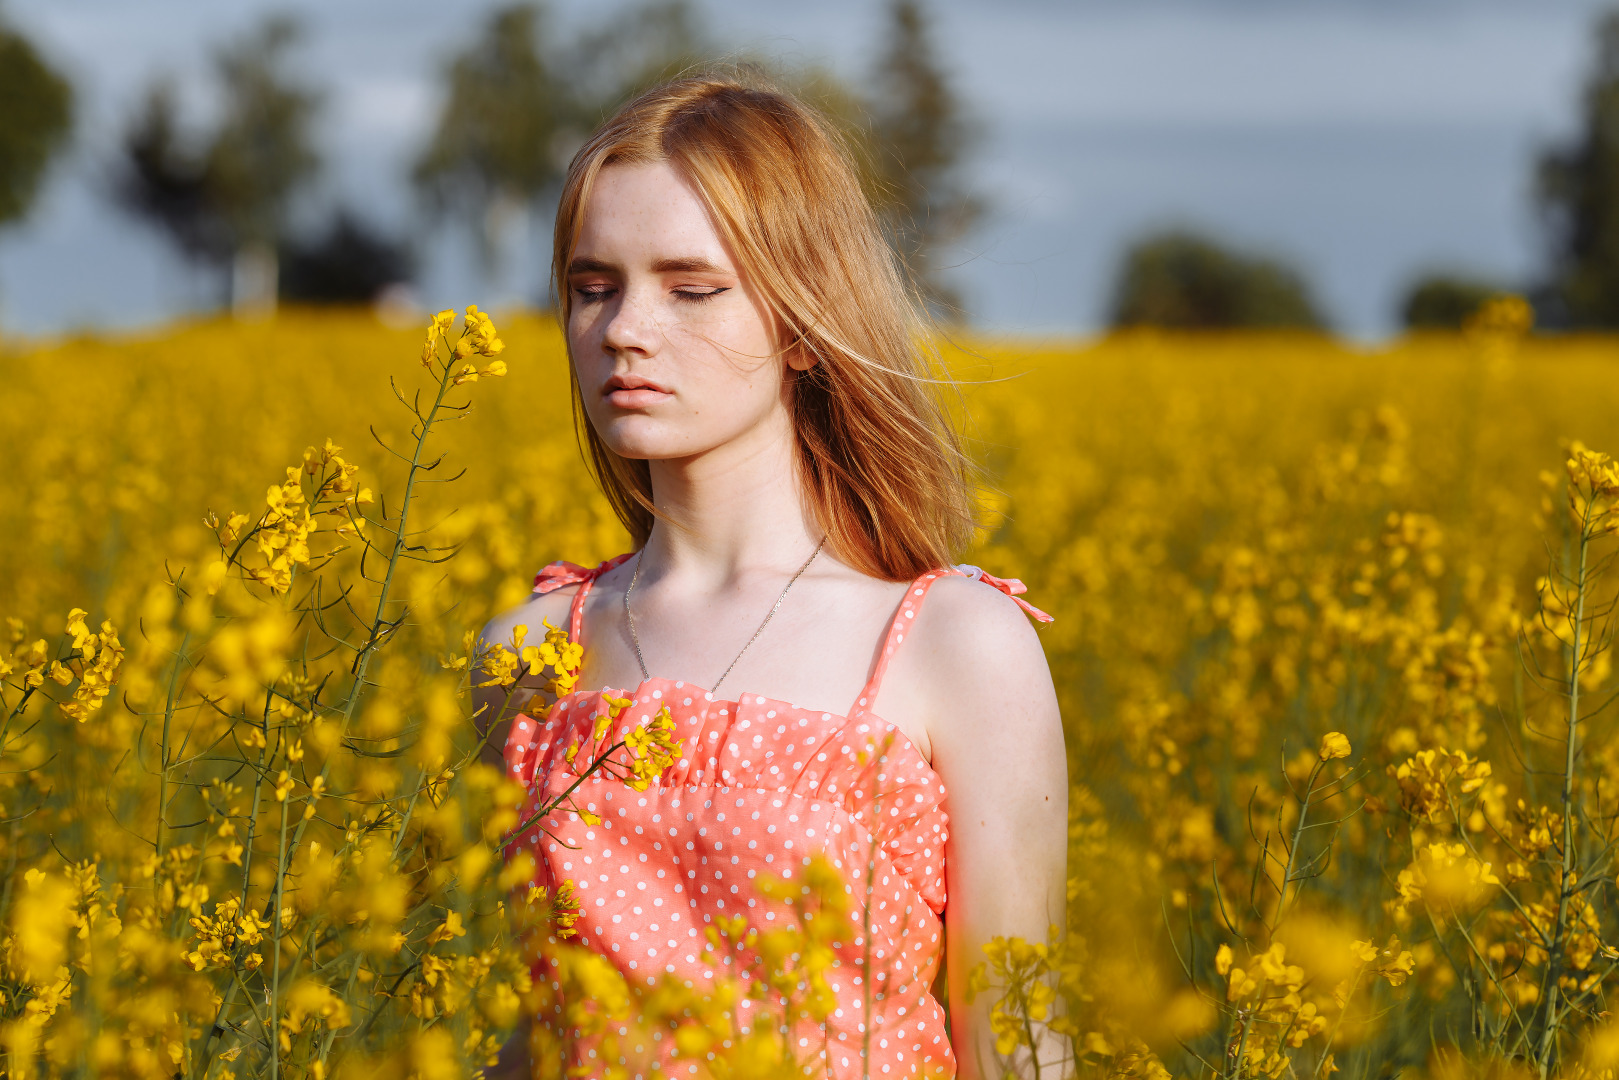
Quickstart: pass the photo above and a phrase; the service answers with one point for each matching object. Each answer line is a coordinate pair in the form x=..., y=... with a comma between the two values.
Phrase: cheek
x=727, y=347
x=583, y=328
x=733, y=372
x=731, y=369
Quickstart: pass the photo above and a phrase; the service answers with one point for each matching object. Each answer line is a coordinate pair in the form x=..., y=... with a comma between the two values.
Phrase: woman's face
x=673, y=349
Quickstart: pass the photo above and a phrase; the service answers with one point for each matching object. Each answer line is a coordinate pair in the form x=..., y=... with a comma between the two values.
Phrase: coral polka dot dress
x=760, y=787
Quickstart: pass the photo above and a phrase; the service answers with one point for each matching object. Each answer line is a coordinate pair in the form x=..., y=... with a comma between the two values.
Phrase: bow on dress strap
x=561, y=574
x=1010, y=586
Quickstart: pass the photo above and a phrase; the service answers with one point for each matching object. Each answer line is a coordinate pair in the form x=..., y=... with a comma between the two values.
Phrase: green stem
x=163, y=746
x=275, y=962
x=1549, y=981
x=228, y=999
x=546, y=810
x=5, y=728
x=362, y=660
x=1242, y=1045
x=1326, y=1049
x=1028, y=1034
x=1293, y=848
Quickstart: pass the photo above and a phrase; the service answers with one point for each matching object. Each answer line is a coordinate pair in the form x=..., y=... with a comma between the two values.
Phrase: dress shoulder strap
x=912, y=603
x=559, y=575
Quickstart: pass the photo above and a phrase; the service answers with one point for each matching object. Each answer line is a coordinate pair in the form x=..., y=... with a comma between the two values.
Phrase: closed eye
x=699, y=295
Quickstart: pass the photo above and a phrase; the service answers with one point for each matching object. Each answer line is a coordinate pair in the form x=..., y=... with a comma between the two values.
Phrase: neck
x=733, y=509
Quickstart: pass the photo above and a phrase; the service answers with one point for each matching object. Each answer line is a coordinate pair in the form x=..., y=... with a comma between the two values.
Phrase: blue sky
x=1364, y=139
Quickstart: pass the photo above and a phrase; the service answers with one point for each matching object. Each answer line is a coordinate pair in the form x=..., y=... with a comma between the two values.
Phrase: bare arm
x=997, y=743
x=495, y=704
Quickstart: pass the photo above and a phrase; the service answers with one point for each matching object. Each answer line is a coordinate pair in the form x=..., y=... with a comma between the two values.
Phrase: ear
x=800, y=358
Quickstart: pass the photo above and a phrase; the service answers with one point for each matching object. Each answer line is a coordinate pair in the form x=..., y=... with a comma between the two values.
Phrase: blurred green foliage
x=348, y=262
x=921, y=138
x=230, y=188
x=36, y=117
x=1184, y=280
x=522, y=96
x=1578, y=192
x=497, y=136
x=1445, y=301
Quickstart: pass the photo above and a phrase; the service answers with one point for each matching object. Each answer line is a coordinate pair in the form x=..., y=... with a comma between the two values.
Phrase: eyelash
x=699, y=297
x=591, y=295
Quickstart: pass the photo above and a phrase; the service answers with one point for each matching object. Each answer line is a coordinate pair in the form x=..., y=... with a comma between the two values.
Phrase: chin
x=639, y=438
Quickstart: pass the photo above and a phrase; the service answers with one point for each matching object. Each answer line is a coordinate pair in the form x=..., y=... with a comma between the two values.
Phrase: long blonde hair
x=881, y=466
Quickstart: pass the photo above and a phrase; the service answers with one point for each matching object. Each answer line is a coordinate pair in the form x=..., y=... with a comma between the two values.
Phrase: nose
x=631, y=327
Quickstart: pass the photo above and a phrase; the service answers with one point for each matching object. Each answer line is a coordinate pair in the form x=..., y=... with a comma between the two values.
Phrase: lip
x=634, y=392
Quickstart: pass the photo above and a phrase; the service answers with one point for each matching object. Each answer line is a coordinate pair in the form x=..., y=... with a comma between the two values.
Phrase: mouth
x=634, y=392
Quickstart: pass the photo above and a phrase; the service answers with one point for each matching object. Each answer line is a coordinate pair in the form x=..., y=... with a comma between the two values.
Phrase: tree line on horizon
x=520, y=97
x=515, y=103
x=1184, y=278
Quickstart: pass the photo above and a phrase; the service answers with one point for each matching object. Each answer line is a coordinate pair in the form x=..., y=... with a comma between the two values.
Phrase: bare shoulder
x=981, y=657
x=532, y=613
x=980, y=627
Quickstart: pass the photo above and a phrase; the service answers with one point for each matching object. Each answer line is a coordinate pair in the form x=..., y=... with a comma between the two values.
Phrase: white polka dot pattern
x=760, y=786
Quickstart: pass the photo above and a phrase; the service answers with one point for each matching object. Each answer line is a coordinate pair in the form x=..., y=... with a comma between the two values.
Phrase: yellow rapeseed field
x=1331, y=642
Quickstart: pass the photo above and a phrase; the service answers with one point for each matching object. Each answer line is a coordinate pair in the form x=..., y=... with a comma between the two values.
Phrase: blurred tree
x=224, y=200
x=494, y=150
x=518, y=103
x=36, y=116
x=652, y=43
x=348, y=263
x=1578, y=191
x=166, y=184
x=920, y=137
x=1444, y=301
x=1184, y=280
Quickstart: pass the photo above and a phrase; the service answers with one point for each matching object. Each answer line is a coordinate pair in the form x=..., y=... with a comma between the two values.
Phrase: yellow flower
x=1334, y=744
x=283, y=786
x=481, y=332
x=1424, y=780
x=652, y=748
x=558, y=654
x=450, y=928
x=500, y=665
x=1391, y=963
x=436, y=329
x=1444, y=876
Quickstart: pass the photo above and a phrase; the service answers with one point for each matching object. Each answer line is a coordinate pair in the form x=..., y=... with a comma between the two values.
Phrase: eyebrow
x=686, y=265
x=689, y=264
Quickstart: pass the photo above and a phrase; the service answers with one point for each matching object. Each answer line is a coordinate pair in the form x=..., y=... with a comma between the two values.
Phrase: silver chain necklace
x=636, y=639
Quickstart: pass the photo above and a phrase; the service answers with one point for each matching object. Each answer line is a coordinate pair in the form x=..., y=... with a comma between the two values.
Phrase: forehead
x=647, y=212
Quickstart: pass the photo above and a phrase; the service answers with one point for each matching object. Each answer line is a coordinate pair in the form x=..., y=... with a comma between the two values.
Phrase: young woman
x=750, y=387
